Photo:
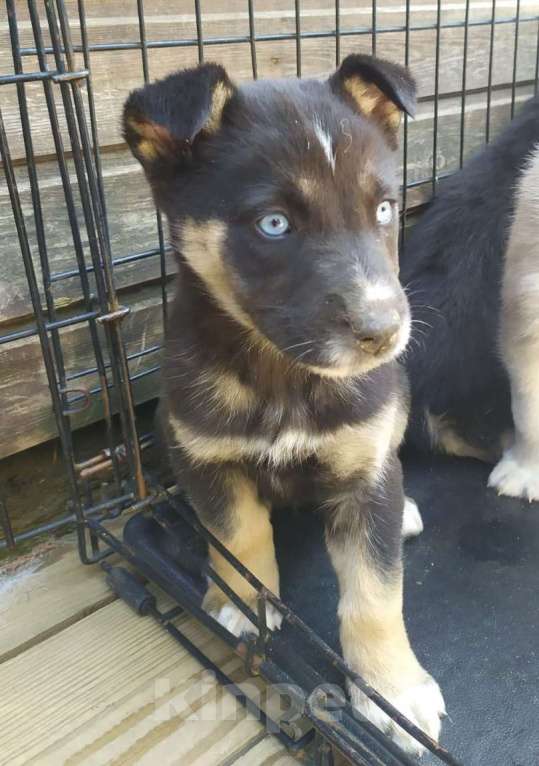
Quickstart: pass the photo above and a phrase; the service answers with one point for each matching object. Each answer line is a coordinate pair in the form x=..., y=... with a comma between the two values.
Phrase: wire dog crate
x=52, y=48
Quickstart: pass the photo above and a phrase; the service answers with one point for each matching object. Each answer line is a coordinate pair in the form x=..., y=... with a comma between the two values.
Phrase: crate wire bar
x=103, y=314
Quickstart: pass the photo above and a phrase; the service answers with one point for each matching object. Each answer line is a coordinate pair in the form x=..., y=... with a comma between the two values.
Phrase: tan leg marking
x=375, y=644
x=444, y=438
x=517, y=473
x=251, y=542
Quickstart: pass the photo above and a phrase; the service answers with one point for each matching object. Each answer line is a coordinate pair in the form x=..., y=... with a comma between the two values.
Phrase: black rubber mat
x=471, y=604
x=471, y=601
x=472, y=583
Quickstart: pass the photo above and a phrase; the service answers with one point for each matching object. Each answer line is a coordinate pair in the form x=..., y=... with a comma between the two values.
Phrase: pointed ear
x=162, y=121
x=377, y=89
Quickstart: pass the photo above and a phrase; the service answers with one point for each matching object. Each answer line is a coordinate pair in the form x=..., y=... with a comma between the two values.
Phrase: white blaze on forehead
x=379, y=291
x=326, y=143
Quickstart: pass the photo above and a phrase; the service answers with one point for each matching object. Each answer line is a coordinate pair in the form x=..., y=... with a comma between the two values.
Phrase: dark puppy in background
x=280, y=383
x=454, y=263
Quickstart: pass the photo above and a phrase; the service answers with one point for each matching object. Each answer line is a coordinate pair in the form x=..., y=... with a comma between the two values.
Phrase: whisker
x=272, y=307
x=426, y=306
x=420, y=321
x=297, y=345
x=307, y=351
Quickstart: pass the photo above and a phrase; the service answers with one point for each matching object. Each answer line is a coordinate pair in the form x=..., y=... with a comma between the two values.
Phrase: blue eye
x=273, y=225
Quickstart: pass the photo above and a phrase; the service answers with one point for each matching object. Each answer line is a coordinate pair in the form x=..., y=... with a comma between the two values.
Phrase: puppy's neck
x=202, y=334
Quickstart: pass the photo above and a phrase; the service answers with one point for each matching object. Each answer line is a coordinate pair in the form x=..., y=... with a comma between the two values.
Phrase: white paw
x=422, y=704
x=230, y=617
x=516, y=477
x=412, y=523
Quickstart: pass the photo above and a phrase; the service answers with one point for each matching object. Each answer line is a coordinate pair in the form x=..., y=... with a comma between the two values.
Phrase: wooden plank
x=115, y=73
x=421, y=136
x=132, y=227
x=28, y=419
x=44, y=591
x=268, y=752
x=116, y=688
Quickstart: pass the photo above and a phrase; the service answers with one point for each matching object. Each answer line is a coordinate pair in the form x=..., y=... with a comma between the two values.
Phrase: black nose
x=377, y=334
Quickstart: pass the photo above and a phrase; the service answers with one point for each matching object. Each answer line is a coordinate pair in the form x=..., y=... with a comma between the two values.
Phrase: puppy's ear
x=377, y=89
x=163, y=121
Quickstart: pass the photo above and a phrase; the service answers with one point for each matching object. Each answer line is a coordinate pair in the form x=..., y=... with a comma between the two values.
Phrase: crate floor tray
x=471, y=584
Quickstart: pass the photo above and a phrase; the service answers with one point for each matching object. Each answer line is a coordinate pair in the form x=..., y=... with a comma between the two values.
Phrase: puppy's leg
x=363, y=534
x=229, y=506
x=517, y=474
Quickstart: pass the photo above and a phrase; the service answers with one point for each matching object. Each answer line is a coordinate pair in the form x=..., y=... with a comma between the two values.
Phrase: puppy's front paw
x=412, y=523
x=230, y=617
x=422, y=703
x=516, y=476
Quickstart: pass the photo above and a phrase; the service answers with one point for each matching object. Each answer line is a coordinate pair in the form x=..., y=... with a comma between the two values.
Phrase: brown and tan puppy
x=280, y=382
x=517, y=473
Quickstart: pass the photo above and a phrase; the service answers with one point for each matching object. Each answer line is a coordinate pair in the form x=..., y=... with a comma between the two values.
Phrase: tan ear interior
x=372, y=102
x=219, y=97
x=152, y=141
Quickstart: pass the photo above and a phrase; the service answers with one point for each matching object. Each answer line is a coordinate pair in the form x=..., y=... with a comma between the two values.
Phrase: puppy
x=280, y=381
x=517, y=474
x=452, y=267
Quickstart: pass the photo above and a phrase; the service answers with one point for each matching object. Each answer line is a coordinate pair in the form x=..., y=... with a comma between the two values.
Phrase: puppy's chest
x=343, y=434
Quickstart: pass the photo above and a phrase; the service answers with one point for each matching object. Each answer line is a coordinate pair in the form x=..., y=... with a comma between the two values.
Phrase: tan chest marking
x=223, y=390
x=364, y=447
x=287, y=447
x=344, y=451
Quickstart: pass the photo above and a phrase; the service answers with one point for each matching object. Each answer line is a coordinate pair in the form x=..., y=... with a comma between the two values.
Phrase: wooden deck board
x=116, y=688
x=267, y=752
x=85, y=689
x=45, y=592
